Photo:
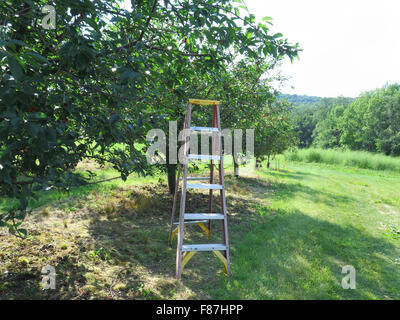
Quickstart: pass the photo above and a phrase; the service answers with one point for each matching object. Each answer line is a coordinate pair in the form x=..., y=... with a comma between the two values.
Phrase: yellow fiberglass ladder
x=221, y=250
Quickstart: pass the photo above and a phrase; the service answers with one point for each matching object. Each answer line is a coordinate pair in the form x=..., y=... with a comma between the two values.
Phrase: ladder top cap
x=204, y=102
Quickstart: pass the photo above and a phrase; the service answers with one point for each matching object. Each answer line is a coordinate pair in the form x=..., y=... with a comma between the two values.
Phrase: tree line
x=370, y=122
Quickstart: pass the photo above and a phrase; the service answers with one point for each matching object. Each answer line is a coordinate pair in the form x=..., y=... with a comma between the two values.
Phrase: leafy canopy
x=93, y=86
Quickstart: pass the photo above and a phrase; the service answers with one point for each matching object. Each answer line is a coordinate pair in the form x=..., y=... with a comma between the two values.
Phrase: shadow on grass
x=23, y=277
x=138, y=239
x=290, y=255
x=275, y=254
x=268, y=189
x=296, y=175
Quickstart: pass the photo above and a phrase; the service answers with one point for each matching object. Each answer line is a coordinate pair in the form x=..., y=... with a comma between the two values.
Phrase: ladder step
x=192, y=221
x=203, y=247
x=208, y=216
x=205, y=129
x=195, y=178
x=203, y=157
x=204, y=102
x=203, y=186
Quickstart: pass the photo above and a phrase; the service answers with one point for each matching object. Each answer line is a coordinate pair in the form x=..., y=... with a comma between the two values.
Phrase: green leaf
x=129, y=75
x=38, y=56
x=93, y=24
x=15, y=68
x=114, y=118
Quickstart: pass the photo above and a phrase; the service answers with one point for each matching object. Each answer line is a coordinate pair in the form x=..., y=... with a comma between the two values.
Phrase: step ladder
x=221, y=250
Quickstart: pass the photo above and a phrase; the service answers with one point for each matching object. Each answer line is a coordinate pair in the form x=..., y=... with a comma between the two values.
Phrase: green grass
x=316, y=221
x=291, y=232
x=357, y=159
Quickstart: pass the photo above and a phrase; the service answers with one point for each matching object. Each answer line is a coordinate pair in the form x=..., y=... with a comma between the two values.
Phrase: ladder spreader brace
x=185, y=252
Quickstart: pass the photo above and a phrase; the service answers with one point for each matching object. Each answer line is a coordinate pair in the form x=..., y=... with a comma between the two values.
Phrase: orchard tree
x=217, y=75
x=274, y=133
x=95, y=84
x=246, y=92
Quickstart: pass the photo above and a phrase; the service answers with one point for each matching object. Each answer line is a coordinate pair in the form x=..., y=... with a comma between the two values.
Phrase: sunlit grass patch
x=357, y=159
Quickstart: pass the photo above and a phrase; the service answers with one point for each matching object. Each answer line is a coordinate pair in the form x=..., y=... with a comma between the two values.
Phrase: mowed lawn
x=291, y=232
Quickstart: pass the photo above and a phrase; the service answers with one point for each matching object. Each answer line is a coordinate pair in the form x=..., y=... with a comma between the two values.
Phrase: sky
x=349, y=46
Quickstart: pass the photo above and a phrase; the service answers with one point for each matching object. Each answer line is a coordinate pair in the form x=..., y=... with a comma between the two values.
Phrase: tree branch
x=179, y=52
x=131, y=44
x=148, y=20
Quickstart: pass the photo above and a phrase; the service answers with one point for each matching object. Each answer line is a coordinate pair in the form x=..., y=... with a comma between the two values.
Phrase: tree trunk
x=235, y=161
x=236, y=169
x=171, y=172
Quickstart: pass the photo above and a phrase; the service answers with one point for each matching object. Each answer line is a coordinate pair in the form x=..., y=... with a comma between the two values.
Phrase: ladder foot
x=173, y=234
x=224, y=261
x=186, y=257
x=200, y=224
x=205, y=229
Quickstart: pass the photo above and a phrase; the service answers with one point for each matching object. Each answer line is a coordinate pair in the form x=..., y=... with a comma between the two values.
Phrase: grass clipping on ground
x=109, y=244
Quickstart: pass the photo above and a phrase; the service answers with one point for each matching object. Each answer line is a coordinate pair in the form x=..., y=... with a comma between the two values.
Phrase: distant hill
x=304, y=101
x=300, y=99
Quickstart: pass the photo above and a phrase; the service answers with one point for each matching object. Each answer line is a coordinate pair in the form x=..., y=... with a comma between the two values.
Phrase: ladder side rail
x=177, y=186
x=174, y=203
x=223, y=199
x=210, y=201
x=183, y=197
x=185, y=252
